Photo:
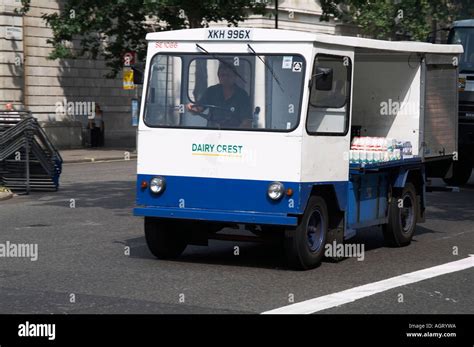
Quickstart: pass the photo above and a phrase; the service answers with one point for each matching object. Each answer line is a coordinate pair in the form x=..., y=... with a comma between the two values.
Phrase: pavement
x=97, y=155
x=5, y=195
x=88, y=155
x=91, y=247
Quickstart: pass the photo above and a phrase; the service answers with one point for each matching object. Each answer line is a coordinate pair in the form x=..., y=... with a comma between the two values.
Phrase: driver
x=228, y=104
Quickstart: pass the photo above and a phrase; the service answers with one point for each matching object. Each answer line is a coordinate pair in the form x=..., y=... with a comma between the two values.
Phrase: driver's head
x=226, y=74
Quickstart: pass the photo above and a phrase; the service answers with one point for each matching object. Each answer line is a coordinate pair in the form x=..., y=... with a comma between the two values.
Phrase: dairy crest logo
x=217, y=150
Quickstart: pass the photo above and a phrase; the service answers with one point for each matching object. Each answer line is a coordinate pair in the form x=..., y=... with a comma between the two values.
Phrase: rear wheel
x=402, y=215
x=304, y=246
x=164, y=238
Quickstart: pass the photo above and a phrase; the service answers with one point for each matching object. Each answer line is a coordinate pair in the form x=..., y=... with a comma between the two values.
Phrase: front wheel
x=164, y=238
x=402, y=215
x=304, y=246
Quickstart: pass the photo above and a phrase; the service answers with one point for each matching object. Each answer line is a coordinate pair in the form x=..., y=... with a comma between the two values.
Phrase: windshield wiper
x=267, y=66
x=222, y=61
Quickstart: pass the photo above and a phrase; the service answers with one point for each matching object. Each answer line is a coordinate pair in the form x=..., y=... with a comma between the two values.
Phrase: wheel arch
x=415, y=176
x=336, y=205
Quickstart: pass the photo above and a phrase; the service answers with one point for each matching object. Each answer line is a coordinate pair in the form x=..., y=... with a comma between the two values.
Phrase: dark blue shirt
x=231, y=112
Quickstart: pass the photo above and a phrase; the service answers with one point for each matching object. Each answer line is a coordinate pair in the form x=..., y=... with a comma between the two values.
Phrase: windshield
x=245, y=92
x=464, y=37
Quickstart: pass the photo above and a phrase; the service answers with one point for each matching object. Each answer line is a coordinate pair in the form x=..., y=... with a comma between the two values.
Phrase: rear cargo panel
x=439, y=136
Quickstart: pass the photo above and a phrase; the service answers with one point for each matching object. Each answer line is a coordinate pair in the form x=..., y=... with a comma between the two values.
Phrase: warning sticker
x=297, y=66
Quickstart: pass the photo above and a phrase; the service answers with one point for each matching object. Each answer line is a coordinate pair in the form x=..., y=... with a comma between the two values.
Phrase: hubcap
x=315, y=231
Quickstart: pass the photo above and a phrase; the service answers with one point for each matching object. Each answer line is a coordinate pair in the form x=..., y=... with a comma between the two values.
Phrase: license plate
x=229, y=34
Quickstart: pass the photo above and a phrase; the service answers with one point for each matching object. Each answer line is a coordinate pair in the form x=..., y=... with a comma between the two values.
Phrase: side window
x=163, y=102
x=329, y=105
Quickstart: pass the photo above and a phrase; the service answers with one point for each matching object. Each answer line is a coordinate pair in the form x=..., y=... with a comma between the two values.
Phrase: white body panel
x=325, y=158
x=263, y=156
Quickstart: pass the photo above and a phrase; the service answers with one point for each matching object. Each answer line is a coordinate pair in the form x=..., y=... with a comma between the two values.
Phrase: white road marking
x=453, y=235
x=350, y=295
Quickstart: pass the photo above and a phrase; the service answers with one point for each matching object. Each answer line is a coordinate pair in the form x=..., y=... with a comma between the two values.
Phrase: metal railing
x=28, y=159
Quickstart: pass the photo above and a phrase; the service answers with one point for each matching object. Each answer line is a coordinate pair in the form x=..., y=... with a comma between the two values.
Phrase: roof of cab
x=465, y=23
x=271, y=35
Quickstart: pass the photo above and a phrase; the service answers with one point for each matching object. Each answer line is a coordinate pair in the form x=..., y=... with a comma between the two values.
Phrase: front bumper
x=217, y=216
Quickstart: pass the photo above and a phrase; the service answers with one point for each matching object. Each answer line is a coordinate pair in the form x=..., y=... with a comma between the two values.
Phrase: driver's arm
x=194, y=108
x=197, y=108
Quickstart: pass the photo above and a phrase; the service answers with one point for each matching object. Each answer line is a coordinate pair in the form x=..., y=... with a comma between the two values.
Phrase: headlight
x=276, y=191
x=157, y=185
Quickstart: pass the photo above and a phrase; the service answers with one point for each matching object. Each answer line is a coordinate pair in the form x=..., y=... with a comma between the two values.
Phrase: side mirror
x=324, y=78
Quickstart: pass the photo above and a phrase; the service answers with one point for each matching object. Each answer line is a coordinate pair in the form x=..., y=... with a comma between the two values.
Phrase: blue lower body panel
x=220, y=216
x=228, y=200
x=367, y=200
x=208, y=194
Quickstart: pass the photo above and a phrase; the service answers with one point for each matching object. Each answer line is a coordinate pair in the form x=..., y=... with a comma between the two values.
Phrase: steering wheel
x=231, y=109
x=205, y=106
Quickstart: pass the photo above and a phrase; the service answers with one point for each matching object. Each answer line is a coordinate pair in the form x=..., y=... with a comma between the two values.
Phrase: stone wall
x=11, y=55
x=48, y=83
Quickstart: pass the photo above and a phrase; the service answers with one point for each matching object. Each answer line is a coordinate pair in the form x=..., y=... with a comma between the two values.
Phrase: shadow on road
x=252, y=254
x=451, y=206
x=257, y=255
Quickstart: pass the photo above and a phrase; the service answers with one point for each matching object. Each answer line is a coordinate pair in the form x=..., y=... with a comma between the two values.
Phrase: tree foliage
x=110, y=28
x=398, y=19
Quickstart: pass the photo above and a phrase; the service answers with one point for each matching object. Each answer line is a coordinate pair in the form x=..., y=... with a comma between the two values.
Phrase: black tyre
x=164, y=238
x=402, y=214
x=304, y=246
x=462, y=171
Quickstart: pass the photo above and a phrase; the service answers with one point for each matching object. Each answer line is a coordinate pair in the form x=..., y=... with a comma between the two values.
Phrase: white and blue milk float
x=295, y=135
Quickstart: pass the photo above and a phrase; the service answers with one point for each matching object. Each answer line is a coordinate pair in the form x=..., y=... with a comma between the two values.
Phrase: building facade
x=59, y=93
